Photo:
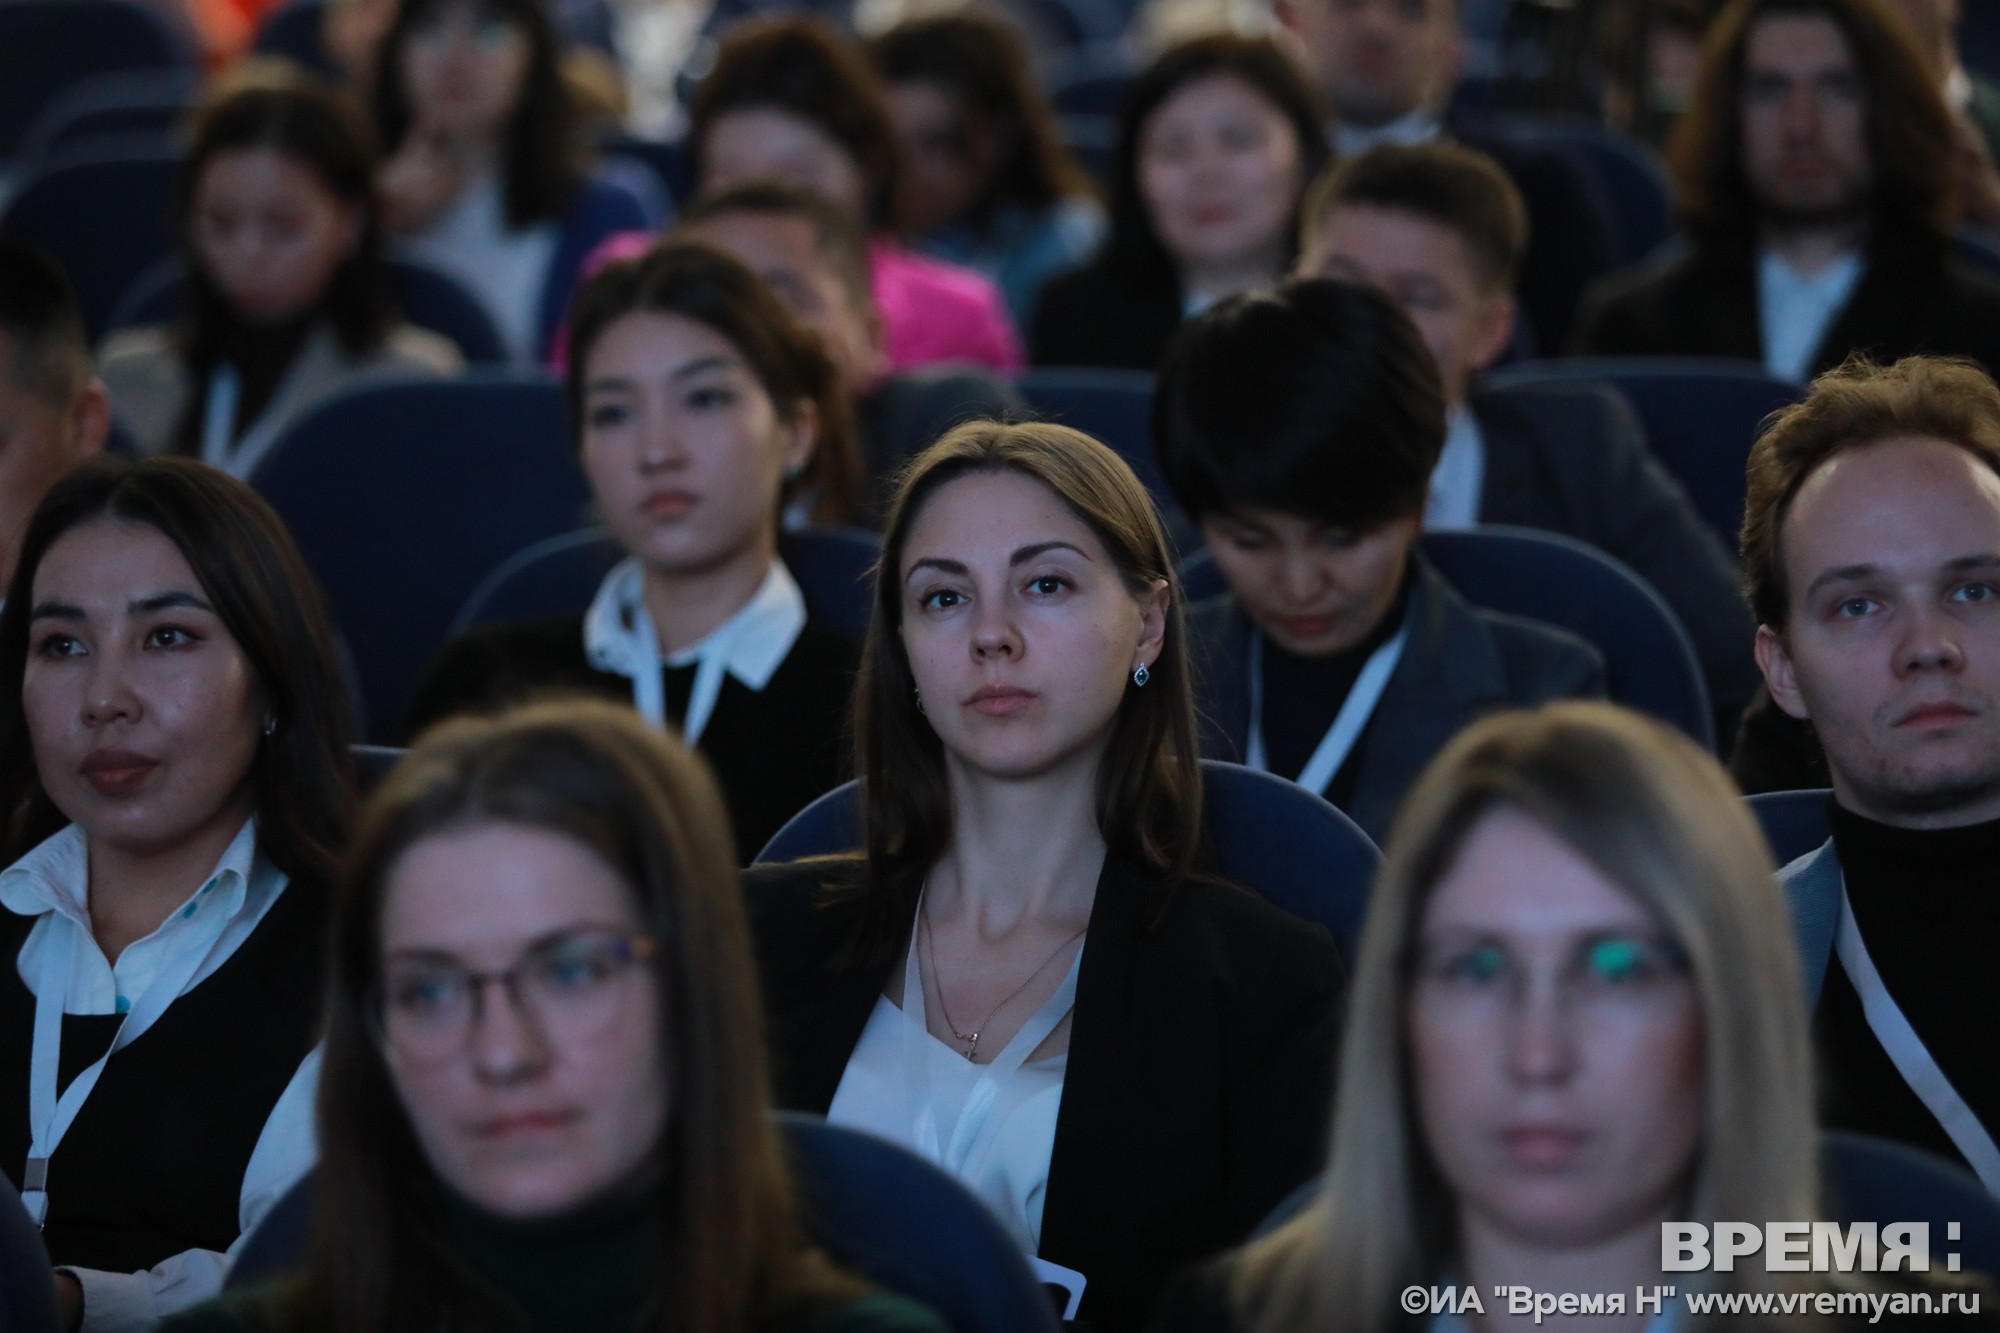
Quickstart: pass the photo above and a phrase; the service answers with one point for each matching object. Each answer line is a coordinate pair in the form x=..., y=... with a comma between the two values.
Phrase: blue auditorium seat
x=1794, y=822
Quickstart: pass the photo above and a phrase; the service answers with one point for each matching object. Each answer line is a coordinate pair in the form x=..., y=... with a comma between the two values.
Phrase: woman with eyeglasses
x=543, y=1104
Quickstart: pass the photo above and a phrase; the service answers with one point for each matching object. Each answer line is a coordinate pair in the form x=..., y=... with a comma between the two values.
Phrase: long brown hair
x=1909, y=128
x=733, y=1257
x=1149, y=782
x=246, y=564
x=699, y=282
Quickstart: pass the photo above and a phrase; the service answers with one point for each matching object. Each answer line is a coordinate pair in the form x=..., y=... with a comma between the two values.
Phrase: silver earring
x=270, y=726
x=1141, y=676
x=919, y=696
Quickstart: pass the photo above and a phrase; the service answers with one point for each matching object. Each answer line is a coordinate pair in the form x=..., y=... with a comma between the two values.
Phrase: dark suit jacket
x=1574, y=461
x=1911, y=298
x=1459, y=663
x=1200, y=1061
x=1100, y=315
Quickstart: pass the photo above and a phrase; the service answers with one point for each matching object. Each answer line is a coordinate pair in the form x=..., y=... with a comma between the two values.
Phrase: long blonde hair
x=1656, y=816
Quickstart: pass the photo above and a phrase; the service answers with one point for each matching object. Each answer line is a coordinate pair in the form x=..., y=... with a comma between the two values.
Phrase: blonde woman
x=1577, y=1015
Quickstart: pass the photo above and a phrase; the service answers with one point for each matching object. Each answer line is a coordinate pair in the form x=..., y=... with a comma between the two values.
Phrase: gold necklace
x=972, y=1038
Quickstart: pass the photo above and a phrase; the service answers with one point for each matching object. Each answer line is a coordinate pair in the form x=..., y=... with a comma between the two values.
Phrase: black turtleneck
x=261, y=358
x=585, y=1272
x=1928, y=906
x=1303, y=695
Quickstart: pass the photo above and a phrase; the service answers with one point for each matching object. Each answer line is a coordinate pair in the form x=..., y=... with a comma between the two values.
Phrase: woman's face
x=1556, y=1043
x=684, y=449
x=766, y=145
x=545, y=1091
x=951, y=155
x=464, y=71
x=1314, y=590
x=1021, y=633
x=143, y=712
x=269, y=233
x=1220, y=173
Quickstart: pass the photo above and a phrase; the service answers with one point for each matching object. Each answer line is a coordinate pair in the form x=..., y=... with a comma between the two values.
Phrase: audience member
x=1300, y=429
x=1973, y=98
x=1871, y=547
x=1814, y=177
x=1441, y=229
x=1650, y=51
x=701, y=409
x=815, y=260
x=794, y=101
x=486, y=177
x=588, y=1146
x=969, y=988
x=1385, y=71
x=1576, y=1017
x=288, y=300
x=53, y=414
x=173, y=752
x=1216, y=143
x=991, y=185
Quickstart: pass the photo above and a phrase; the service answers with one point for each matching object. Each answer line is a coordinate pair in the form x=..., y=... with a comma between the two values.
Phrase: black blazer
x=1910, y=299
x=1574, y=461
x=1101, y=315
x=1200, y=1061
x=1459, y=663
x=774, y=750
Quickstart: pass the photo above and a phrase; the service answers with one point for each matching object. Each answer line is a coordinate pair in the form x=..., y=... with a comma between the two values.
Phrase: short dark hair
x=39, y=313
x=1858, y=404
x=809, y=69
x=699, y=282
x=838, y=236
x=1133, y=245
x=1317, y=398
x=246, y=563
x=1458, y=188
x=543, y=159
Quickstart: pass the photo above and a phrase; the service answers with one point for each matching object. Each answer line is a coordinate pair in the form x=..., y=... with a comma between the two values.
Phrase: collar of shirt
x=52, y=883
x=1420, y=125
x=1459, y=477
x=752, y=643
x=1796, y=309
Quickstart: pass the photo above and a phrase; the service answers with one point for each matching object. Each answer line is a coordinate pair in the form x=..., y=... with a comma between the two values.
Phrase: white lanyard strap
x=1911, y=1057
x=50, y=1117
x=619, y=636
x=239, y=457
x=1348, y=723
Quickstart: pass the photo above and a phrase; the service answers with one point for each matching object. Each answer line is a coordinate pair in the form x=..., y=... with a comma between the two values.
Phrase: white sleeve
x=285, y=1151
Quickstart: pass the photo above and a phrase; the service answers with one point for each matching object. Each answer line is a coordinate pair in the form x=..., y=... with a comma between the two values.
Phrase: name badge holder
x=1348, y=723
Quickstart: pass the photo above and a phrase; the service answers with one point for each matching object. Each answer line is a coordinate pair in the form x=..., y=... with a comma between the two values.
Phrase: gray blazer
x=1459, y=663
x=1813, y=885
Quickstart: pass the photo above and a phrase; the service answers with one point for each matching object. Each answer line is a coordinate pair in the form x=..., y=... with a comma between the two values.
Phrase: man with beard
x=1815, y=177
x=1871, y=549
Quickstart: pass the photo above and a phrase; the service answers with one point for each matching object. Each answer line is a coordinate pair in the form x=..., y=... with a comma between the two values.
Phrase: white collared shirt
x=1459, y=477
x=52, y=884
x=1797, y=309
x=1420, y=125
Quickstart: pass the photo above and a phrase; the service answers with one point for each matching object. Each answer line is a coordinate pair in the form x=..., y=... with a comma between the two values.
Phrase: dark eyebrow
x=937, y=562
x=1966, y=564
x=1840, y=574
x=1027, y=553
x=55, y=611
x=626, y=382
x=166, y=601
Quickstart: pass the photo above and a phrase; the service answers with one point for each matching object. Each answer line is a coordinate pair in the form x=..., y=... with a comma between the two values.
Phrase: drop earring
x=270, y=726
x=1140, y=676
x=918, y=695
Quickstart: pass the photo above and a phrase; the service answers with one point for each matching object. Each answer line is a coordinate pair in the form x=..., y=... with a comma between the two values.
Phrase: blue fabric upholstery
x=1874, y=1180
x=99, y=209
x=403, y=496
x=1794, y=822
x=372, y=763
x=1629, y=175
x=135, y=102
x=1114, y=406
x=49, y=46
x=292, y=30
x=1270, y=835
x=27, y=1281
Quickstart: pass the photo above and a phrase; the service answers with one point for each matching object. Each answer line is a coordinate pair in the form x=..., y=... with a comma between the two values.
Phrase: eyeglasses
x=568, y=988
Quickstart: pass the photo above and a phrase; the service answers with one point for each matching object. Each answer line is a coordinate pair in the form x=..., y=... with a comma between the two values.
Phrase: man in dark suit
x=815, y=260
x=1816, y=185
x=1299, y=428
x=1386, y=70
x=1441, y=229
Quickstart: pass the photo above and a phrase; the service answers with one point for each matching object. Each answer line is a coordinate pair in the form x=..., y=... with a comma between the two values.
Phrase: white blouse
x=992, y=1126
x=505, y=267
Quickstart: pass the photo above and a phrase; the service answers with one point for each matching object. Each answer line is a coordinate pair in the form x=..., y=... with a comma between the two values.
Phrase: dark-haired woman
x=1024, y=979
x=1217, y=142
x=585, y=1146
x=702, y=409
x=991, y=185
x=486, y=177
x=288, y=298
x=174, y=763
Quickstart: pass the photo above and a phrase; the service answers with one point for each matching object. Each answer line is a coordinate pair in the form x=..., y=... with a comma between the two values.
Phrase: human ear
x=1780, y=676
x=1155, y=603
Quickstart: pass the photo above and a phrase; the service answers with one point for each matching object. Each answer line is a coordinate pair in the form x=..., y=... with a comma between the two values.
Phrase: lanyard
x=239, y=458
x=619, y=636
x=1348, y=723
x=1910, y=1056
x=50, y=1117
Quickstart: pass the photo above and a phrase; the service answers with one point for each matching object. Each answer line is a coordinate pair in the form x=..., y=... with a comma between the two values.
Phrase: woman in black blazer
x=700, y=408
x=1024, y=978
x=1217, y=142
